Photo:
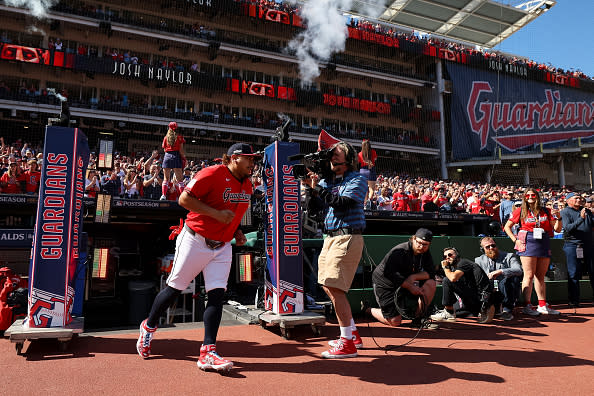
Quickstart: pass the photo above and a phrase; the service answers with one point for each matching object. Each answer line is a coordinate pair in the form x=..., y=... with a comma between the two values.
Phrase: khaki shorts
x=338, y=261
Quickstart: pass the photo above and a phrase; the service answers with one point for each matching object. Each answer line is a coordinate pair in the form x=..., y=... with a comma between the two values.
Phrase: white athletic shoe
x=443, y=316
x=547, y=310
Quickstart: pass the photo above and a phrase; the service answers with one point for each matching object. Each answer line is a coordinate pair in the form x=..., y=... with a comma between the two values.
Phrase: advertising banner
x=57, y=234
x=16, y=238
x=282, y=232
x=491, y=111
x=20, y=53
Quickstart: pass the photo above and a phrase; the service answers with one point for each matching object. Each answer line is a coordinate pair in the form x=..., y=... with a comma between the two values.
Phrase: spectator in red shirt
x=414, y=202
x=11, y=179
x=491, y=205
x=475, y=205
x=426, y=197
x=32, y=177
x=440, y=199
x=401, y=200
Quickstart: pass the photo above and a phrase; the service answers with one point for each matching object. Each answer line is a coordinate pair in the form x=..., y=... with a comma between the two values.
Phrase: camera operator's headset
x=481, y=248
x=349, y=153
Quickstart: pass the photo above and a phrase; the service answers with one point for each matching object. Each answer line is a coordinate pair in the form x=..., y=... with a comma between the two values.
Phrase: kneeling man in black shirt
x=407, y=266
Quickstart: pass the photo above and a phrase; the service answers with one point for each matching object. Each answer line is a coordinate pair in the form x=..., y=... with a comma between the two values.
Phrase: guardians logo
x=228, y=196
x=485, y=114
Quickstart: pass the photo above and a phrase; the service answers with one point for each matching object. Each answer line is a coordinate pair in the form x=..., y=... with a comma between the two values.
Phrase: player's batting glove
x=175, y=230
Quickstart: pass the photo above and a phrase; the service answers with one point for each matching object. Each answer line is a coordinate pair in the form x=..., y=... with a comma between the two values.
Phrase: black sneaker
x=487, y=315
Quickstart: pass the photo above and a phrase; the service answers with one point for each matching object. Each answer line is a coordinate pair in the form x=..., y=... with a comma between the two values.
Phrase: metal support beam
x=442, y=142
x=561, y=171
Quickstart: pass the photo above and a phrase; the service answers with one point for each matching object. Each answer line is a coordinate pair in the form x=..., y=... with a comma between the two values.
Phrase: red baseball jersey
x=414, y=203
x=530, y=221
x=401, y=202
x=475, y=207
x=178, y=142
x=442, y=201
x=218, y=188
x=32, y=179
x=426, y=198
x=488, y=205
x=13, y=184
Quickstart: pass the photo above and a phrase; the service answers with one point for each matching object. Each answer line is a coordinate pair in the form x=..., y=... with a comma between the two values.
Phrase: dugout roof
x=482, y=22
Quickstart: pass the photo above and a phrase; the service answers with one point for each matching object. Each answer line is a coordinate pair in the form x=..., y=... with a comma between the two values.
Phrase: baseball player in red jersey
x=217, y=197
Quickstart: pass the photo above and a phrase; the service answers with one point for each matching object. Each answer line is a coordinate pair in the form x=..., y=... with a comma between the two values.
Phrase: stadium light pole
x=442, y=142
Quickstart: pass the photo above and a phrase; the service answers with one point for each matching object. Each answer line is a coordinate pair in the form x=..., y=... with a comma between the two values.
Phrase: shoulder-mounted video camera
x=318, y=162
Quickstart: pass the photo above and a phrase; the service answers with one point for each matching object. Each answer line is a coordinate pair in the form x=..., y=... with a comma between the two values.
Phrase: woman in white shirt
x=131, y=183
x=384, y=201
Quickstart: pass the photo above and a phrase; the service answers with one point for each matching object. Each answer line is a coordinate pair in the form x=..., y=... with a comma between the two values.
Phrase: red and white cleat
x=210, y=360
x=143, y=345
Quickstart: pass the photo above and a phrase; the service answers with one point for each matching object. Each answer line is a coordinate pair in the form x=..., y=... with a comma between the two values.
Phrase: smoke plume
x=38, y=8
x=325, y=35
x=326, y=32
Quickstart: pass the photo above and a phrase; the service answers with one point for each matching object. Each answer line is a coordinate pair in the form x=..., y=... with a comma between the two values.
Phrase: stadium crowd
x=139, y=175
x=202, y=32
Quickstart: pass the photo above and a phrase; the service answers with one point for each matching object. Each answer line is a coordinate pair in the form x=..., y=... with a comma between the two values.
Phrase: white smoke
x=38, y=8
x=326, y=32
x=35, y=29
x=325, y=35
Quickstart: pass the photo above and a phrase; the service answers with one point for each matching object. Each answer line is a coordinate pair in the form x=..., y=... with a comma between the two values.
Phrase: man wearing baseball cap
x=217, y=197
x=506, y=207
x=577, y=233
x=407, y=266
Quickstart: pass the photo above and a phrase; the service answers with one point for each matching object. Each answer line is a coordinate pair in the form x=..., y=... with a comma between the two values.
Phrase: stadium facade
x=220, y=68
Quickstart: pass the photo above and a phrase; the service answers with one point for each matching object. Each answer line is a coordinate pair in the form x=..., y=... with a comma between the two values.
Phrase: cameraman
x=343, y=194
x=577, y=232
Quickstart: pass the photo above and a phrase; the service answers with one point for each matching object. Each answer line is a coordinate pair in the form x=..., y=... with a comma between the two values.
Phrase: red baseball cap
x=173, y=125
